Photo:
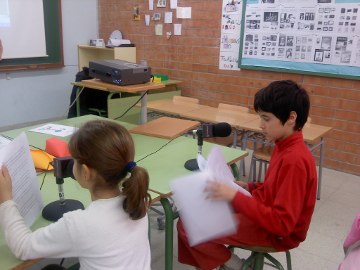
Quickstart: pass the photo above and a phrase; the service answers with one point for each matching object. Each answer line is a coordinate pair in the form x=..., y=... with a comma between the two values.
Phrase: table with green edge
x=164, y=159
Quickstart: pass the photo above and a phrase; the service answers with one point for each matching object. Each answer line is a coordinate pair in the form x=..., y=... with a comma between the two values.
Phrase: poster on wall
x=230, y=35
x=302, y=34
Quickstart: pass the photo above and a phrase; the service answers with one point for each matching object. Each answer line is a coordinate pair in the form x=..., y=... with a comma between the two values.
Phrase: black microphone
x=63, y=168
x=222, y=129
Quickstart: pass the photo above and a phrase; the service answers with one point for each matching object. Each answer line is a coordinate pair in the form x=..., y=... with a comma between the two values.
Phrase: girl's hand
x=5, y=185
x=220, y=191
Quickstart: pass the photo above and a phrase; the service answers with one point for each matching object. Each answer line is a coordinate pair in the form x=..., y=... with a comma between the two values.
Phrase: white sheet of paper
x=183, y=12
x=173, y=4
x=147, y=19
x=56, y=130
x=151, y=4
x=3, y=141
x=220, y=170
x=168, y=17
x=177, y=29
x=26, y=192
x=205, y=219
x=159, y=29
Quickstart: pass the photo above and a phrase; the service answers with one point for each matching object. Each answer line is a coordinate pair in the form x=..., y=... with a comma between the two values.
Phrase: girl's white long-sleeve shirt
x=102, y=236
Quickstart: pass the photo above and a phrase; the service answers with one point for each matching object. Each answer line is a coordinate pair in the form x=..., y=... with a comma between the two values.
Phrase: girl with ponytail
x=112, y=233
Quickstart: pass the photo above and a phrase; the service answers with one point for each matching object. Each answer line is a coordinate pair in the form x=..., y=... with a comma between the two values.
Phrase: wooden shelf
x=88, y=53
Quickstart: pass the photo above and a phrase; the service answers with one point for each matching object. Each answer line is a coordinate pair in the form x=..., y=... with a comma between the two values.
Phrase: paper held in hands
x=205, y=219
x=25, y=187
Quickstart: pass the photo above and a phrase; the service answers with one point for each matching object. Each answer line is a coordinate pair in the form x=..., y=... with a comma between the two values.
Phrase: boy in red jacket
x=279, y=212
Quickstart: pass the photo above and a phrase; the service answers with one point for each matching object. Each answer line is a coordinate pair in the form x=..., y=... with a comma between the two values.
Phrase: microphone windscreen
x=221, y=130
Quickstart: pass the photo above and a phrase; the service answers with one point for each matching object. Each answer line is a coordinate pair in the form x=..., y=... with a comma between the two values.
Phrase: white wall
x=31, y=96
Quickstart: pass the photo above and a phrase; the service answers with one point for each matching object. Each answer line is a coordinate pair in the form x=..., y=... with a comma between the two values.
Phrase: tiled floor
x=322, y=250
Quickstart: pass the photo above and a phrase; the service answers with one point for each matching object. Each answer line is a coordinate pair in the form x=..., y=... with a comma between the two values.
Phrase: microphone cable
x=74, y=101
x=132, y=106
x=155, y=150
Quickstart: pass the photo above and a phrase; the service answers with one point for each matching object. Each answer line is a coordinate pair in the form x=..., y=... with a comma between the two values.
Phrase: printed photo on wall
x=161, y=3
x=156, y=17
x=136, y=13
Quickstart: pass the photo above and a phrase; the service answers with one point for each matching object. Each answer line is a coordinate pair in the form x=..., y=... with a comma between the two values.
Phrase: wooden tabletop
x=171, y=82
x=311, y=132
x=214, y=115
x=104, y=86
x=168, y=106
x=165, y=127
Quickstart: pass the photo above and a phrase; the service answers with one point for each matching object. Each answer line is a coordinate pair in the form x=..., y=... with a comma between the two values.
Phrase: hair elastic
x=130, y=166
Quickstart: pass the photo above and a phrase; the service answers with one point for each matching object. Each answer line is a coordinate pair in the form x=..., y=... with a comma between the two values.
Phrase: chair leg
x=275, y=262
x=288, y=260
x=251, y=170
x=254, y=170
x=260, y=171
x=249, y=261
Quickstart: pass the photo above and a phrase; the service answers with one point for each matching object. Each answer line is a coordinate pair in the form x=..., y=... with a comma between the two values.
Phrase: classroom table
x=168, y=106
x=313, y=136
x=113, y=88
x=165, y=127
x=164, y=159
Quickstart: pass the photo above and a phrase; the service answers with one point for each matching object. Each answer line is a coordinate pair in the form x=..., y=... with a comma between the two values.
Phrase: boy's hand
x=5, y=185
x=220, y=191
x=243, y=184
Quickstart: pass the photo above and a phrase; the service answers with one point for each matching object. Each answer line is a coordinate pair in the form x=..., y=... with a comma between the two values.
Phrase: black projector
x=119, y=72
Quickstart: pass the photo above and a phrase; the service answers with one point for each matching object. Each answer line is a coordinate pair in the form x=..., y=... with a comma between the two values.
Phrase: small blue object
x=130, y=166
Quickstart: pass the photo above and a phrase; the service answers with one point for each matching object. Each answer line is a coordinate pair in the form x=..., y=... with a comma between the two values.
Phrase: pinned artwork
x=147, y=19
x=168, y=17
x=136, y=13
x=156, y=17
x=161, y=3
x=159, y=29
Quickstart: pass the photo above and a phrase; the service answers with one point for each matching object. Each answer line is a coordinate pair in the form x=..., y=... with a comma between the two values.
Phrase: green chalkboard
x=53, y=35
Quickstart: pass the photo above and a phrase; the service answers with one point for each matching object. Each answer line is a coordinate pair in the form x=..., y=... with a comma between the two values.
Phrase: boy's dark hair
x=282, y=97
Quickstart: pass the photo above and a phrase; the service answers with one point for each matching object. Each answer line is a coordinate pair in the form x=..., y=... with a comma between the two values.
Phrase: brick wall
x=194, y=56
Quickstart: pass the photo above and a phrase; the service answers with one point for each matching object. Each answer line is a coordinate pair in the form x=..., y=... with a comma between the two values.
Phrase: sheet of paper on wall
x=151, y=4
x=183, y=12
x=26, y=192
x=173, y=4
x=159, y=29
x=168, y=17
x=55, y=130
x=177, y=29
x=204, y=219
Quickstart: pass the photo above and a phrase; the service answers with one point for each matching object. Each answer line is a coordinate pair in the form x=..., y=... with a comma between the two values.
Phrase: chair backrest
x=182, y=99
x=232, y=108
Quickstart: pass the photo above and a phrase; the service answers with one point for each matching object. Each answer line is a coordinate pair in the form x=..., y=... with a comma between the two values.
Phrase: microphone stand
x=192, y=164
x=55, y=210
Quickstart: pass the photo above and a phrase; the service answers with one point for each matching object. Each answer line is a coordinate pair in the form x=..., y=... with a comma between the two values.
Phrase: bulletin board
x=53, y=36
x=317, y=37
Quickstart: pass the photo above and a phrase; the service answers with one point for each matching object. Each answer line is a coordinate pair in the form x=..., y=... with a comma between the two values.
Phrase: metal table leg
x=320, y=167
x=143, y=111
x=169, y=231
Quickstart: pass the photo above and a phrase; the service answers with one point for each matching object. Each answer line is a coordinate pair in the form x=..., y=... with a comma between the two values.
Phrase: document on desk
x=55, y=129
x=26, y=192
x=205, y=219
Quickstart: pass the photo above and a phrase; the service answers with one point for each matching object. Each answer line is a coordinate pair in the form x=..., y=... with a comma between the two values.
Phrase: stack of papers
x=205, y=219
